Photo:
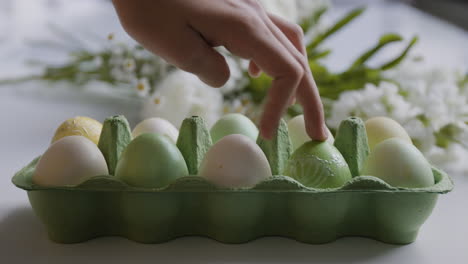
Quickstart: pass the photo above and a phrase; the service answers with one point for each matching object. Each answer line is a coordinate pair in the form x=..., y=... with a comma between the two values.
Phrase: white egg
x=381, y=128
x=298, y=134
x=156, y=125
x=69, y=161
x=235, y=161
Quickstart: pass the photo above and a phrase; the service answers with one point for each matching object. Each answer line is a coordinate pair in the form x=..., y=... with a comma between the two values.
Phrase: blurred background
x=53, y=56
x=46, y=28
x=74, y=56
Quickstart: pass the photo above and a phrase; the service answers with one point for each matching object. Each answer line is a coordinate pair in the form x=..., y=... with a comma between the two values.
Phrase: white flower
x=237, y=68
x=142, y=87
x=181, y=95
x=147, y=69
x=382, y=100
x=428, y=103
x=122, y=76
x=422, y=135
x=451, y=159
x=435, y=91
x=129, y=65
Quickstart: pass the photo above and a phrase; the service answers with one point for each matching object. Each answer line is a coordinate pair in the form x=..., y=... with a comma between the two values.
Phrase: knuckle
x=297, y=32
x=247, y=22
x=295, y=71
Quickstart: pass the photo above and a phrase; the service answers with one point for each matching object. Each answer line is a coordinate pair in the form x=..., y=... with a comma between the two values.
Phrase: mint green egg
x=233, y=124
x=319, y=165
x=150, y=161
x=399, y=164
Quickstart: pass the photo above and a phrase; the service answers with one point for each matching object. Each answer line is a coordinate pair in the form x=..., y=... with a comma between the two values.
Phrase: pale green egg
x=152, y=161
x=399, y=164
x=319, y=165
x=298, y=134
x=233, y=124
x=381, y=128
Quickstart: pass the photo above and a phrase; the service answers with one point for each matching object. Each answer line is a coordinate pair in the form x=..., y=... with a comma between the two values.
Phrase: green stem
x=338, y=25
x=383, y=41
x=20, y=80
x=400, y=58
x=307, y=23
x=319, y=54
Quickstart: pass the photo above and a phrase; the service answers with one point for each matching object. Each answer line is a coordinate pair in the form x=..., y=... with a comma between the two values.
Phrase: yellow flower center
x=140, y=86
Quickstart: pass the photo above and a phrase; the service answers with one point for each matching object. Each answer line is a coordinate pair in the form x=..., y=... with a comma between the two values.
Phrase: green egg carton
x=191, y=206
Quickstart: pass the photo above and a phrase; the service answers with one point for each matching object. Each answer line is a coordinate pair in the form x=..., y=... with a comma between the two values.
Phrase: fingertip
x=317, y=132
x=217, y=74
x=253, y=70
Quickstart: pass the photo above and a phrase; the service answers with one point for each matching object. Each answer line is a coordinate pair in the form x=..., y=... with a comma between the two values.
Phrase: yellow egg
x=381, y=128
x=79, y=126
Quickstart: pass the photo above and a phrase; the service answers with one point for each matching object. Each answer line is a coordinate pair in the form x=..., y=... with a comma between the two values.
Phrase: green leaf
x=258, y=87
x=311, y=21
x=384, y=40
x=338, y=25
x=315, y=55
x=400, y=58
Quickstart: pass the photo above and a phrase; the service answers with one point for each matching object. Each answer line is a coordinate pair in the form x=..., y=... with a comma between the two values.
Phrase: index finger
x=250, y=38
x=307, y=91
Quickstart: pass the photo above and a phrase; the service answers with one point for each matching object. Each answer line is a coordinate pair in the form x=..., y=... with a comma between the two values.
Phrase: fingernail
x=325, y=131
x=254, y=74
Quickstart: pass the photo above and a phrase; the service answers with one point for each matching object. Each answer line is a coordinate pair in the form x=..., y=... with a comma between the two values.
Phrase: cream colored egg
x=235, y=161
x=156, y=125
x=381, y=128
x=298, y=134
x=69, y=161
x=400, y=164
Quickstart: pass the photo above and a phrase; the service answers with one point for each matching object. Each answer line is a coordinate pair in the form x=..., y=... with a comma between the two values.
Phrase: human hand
x=184, y=32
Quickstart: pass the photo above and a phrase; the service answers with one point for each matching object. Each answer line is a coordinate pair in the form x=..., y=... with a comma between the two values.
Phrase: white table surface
x=29, y=116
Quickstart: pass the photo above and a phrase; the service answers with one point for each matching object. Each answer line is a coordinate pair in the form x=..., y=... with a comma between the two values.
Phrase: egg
x=79, y=126
x=69, y=161
x=156, y=125
x=233, y=124
x=298, y=134
x=150, y=161
x=381, y=128
x=399, y=164
x=235, y=161
x=319, y=165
